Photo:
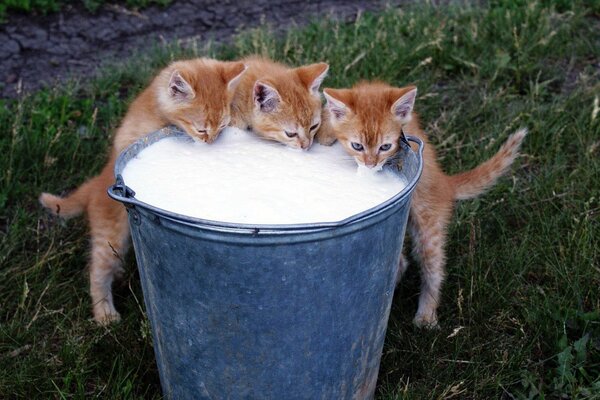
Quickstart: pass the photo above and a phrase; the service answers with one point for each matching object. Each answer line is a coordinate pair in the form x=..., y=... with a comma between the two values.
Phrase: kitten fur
x=194, y=95
x=280, y=103
x=371, y=115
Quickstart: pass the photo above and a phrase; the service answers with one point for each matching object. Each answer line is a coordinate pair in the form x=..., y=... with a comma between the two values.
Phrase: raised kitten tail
x=65, y=207
x=470, y=184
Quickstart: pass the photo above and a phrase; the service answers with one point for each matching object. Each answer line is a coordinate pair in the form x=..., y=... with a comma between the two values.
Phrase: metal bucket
x=268, y=311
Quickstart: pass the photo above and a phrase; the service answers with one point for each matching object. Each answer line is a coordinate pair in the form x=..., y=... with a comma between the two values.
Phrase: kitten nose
x=211, y=137
x=305, y=144
x=370, y=162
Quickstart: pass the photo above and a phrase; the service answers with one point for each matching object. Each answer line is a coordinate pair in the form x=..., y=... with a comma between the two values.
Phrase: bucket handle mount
x=408, y=138
x=122, y=193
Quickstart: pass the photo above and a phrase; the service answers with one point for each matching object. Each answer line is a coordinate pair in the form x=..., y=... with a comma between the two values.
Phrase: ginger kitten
x=194, y=95
x=280, y=103
x=368, y=120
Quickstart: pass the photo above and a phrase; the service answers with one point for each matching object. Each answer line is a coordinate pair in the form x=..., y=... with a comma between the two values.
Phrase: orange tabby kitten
x=368, y=120
x=280, y=103
x=193, y=94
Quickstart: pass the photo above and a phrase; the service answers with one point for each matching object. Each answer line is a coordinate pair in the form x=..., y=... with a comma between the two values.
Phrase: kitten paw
x=105, y=314
x=325, y=140
x=427, y=321
x=402, y=266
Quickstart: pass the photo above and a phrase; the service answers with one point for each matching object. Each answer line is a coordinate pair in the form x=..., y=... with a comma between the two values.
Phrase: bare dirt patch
x=44, y=50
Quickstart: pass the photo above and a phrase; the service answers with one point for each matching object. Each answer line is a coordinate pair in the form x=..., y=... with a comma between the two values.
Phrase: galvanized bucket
x=268, y=311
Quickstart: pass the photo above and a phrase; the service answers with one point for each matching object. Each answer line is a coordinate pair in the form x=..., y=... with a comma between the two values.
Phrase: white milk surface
x=241, y=178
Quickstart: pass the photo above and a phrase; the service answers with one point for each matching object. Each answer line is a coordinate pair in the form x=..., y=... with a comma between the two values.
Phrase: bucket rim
x=123, y=194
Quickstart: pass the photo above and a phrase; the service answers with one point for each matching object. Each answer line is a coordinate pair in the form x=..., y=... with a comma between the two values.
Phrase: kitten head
x=368, y=119
x=196, y=95
x=287, y=105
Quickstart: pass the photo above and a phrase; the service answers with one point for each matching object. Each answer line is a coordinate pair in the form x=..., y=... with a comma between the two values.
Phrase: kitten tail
x=65, y=207
x=470, y=184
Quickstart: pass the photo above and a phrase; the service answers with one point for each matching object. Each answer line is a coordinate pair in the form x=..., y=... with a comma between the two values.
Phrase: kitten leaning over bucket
x=368, y=120
x=193, y=94
x=280, y=103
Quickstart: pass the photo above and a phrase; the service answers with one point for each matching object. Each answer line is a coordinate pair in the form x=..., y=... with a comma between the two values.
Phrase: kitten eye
x=357, y=146
x=385, y=147
x=202, y=131
x=315, y=126
x=291, y=134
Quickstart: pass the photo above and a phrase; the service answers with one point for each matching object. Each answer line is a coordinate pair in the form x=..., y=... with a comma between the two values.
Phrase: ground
x=520, y=313
x=74, y=43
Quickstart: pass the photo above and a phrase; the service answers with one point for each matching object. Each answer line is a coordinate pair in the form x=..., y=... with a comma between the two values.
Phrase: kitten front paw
x=426, y=320
x=325, y=140
x=105, y=313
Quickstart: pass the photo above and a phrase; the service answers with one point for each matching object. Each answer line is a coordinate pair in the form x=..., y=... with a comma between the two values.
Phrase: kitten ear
x=179, y=89
x=312, y=76
x=337, y=103
x=232, y=73
x=402, y=108
x=266, y=97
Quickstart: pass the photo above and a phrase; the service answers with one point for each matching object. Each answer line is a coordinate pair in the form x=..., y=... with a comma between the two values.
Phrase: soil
x=43, y=50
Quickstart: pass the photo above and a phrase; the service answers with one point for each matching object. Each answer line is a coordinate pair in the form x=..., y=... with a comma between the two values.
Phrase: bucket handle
x=417, y=141
x=122, y=193
x=405, y=147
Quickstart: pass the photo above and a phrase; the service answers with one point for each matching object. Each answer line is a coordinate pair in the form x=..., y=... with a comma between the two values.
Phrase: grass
x=520, y=314
x=51, y=6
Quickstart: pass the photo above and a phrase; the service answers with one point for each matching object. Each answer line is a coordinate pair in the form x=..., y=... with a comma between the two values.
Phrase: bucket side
x=295, y=319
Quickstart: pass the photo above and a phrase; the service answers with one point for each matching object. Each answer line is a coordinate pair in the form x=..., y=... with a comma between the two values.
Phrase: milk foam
x=241, y=178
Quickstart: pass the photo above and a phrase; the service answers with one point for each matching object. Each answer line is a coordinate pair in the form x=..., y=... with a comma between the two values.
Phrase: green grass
x=50, y=6
x=520, y=314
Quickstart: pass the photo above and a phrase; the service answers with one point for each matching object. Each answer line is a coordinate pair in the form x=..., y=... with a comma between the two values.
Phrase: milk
x=242, y=178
